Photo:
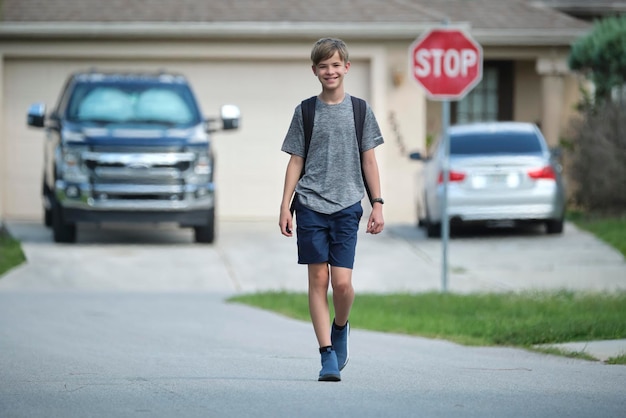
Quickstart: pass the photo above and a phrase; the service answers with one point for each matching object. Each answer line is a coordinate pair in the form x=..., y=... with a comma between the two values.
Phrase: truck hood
x=137, y=136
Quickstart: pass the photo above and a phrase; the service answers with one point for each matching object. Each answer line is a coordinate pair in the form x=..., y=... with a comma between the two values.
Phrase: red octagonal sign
x=447, y=62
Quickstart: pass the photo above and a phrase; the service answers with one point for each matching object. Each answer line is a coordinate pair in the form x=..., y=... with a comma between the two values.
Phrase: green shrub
x=597, y=159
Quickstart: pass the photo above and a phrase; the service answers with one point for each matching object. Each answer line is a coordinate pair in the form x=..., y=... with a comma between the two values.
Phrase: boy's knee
x=342, y=287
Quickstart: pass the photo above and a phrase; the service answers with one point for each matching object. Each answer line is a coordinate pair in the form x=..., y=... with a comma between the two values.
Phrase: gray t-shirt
x=332, y=179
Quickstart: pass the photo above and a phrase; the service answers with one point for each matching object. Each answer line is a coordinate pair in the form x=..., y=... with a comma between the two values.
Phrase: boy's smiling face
x=331, y=71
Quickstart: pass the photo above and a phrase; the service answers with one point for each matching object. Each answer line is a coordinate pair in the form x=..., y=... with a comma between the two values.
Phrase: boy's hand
x=286, y=222
x=376, y=223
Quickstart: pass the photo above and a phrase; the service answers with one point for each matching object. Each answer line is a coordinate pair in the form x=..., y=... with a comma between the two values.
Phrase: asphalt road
x=134, y=323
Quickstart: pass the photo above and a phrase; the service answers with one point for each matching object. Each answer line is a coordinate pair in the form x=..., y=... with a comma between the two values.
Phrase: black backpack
x=308, y=117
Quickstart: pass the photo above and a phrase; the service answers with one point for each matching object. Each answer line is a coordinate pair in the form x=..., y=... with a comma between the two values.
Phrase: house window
x=491, y=99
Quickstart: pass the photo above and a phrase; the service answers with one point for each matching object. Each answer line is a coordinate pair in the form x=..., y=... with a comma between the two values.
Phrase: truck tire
x=206, y=234
x=47, y=212
x=47, y=217
x=61, y=231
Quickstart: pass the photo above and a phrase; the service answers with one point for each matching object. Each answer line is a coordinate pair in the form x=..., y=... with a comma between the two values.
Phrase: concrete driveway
x=252, y=256
x=132, y=323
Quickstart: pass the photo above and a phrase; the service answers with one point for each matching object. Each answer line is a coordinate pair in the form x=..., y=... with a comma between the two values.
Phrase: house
x=255, y=53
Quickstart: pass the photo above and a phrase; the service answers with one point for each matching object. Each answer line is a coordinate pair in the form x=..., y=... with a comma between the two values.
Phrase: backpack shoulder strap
x=308, y=116
x=359, y=108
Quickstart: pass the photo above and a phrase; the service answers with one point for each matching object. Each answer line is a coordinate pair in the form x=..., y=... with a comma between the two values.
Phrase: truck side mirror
x=36, y=115
x=230, y=117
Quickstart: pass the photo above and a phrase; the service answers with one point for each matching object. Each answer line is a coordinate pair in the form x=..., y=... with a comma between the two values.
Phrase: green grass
x=571, y=354
x=610, y=229
x=11, y=254
x=509, y=319
x=513, y=319
x=617, y=360
x=518, y=319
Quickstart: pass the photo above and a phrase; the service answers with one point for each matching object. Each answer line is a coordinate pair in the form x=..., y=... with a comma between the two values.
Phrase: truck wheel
x=47, y=213
x=61, y=231
x=47, y=217
x=206, y=234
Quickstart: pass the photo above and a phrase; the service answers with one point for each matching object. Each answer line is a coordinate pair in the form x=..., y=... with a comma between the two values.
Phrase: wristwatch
x=379, y=200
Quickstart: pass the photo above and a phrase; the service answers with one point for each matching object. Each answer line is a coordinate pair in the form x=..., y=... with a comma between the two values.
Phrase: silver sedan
x=500, y=173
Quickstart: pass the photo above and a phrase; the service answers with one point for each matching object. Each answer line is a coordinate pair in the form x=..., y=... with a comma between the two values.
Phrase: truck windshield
x=169, y=104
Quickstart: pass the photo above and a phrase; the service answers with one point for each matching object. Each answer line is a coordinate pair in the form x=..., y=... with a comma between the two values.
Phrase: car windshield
x=169, y=104
x=486, y=143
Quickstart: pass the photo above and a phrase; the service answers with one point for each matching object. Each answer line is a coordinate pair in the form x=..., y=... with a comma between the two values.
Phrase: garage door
x=250, y=167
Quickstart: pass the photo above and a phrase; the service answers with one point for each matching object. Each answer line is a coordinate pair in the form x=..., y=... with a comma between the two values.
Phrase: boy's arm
x=294, y=169
x=376, y=222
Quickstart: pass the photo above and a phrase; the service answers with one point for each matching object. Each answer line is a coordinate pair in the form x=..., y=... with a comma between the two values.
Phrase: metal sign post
x=447, y=63
x=445, y=221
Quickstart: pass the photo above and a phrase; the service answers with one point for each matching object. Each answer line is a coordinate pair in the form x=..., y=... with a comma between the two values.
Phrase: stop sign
x=447, y=62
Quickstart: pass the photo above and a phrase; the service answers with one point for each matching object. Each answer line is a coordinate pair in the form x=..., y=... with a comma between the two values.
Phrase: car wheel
x=433, y=229
x=61, y=231
x=421, y=221
x=554, y=226
x=206, y=234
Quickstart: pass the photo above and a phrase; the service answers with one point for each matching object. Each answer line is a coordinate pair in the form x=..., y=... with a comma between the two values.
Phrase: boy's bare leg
x=318, y=302
x=343, y=293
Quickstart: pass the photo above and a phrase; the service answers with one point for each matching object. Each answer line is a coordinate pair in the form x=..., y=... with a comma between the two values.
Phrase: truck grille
x=135, y=176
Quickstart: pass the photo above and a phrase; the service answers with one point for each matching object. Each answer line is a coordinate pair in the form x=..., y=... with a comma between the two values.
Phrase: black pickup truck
x=128, y=147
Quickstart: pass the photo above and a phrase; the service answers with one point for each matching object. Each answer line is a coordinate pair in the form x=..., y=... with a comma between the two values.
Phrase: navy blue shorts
x=328, y=238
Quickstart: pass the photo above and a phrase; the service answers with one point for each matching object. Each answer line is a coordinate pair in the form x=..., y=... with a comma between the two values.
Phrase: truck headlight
x=204, y=166
x=72, y=166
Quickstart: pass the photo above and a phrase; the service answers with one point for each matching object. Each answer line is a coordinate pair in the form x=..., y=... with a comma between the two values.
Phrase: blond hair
x=326, y=47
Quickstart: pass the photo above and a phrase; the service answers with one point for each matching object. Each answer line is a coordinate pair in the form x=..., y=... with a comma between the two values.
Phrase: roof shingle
x=480, y=14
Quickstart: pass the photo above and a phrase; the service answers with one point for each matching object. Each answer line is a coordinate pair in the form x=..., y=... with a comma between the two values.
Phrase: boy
x=327, y=199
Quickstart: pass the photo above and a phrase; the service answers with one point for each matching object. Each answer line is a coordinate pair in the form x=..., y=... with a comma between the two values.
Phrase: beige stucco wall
x=527, y=92
x=266, y=79
x=3, y=142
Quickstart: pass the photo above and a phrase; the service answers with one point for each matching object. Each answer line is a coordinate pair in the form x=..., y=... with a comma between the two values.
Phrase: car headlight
x=72, y=165
x=202, y=169
x=204, y=166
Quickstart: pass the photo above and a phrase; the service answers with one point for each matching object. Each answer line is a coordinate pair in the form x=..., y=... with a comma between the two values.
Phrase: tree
x=601, y=55
x=598, y=142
